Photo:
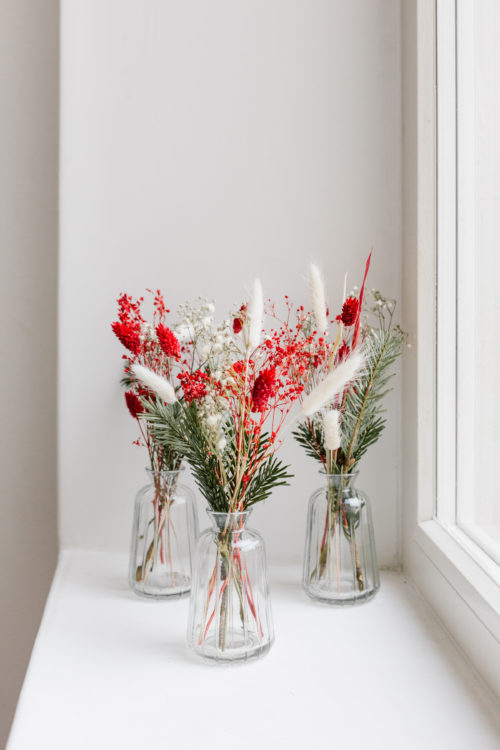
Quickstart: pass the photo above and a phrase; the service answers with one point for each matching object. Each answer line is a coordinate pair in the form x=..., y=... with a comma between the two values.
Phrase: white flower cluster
x=211, y=342
x=195, y=321
x=213, y=418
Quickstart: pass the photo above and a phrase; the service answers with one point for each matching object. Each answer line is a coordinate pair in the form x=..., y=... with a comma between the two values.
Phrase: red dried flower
x=128, y=334
x=194, y=385
x=238, y=322
x=350, y=311
x=133, y=404
x=343, y=352
x=263, y=389
x=168, y=341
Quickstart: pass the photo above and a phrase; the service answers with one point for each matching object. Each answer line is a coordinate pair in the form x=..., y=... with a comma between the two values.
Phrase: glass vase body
x=230, y=616
x=164, y=533
x=340, y=562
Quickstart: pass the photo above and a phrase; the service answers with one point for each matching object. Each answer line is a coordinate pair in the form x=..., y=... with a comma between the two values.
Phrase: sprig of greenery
x=362, y=408
x=214, y=469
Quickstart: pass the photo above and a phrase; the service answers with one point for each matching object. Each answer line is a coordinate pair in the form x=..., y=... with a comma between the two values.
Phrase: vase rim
x=229, y=512
x=348, y=474
x=152, y=472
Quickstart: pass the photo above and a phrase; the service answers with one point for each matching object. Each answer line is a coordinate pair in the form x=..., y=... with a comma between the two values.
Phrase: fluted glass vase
x=164, y=534
x=340, y=564
x=230, y=611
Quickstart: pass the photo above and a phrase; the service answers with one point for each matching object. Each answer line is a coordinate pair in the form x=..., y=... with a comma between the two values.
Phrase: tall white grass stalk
x=255, y=313
x=317, y=289
x=331, y=429
x=334, y=383
x=157, y=384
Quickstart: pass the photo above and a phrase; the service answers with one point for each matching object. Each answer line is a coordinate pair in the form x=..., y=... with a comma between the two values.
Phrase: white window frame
x=454, y=574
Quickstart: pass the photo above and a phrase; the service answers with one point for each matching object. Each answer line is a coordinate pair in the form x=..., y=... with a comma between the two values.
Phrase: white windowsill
x=111, y=671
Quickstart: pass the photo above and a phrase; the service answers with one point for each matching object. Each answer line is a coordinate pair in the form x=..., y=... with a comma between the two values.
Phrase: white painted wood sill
x=110, y=671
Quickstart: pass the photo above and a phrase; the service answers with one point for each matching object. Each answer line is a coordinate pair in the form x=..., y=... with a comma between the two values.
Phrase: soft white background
x=204, y=144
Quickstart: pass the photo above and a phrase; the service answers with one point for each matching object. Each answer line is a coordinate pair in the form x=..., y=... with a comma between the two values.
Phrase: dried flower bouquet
x=339, y=433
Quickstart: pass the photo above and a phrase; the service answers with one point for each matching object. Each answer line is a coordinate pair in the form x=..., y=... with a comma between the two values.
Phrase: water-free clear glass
x=230, y=610
x=164, y=534
x=340, y=563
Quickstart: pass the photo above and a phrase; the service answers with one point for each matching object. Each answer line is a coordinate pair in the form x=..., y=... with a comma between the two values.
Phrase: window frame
x=458, y=579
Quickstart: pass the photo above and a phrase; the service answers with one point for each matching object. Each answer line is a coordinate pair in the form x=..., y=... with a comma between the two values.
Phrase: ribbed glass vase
x=340, y=563
x=164, y=534
x=230, y=611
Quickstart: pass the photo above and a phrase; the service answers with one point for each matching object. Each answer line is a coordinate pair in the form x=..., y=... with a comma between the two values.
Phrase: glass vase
x=230, y=611
x=340, y=564
x=164, y=534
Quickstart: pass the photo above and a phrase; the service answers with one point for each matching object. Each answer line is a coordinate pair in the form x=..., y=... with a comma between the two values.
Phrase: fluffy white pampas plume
x=255, y=312
x=331, y=429
x=334, y=382
x=157, y=384
x=317, y=289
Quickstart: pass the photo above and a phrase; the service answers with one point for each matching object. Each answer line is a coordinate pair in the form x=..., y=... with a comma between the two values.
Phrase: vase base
x=164, y=586
x=333, y=598
x=240, y=650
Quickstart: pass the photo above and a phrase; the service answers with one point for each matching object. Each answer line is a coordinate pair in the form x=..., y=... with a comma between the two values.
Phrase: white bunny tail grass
x=317, y=289
x=255, y=313
x=334, y=382
x=331, y=428
x=157, y=384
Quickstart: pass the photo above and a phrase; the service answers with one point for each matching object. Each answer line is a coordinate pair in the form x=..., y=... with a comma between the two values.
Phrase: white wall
x=204, y=144
x=28, y=300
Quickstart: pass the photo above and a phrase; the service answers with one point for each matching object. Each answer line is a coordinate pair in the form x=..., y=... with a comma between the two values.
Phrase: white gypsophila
x=214, y=420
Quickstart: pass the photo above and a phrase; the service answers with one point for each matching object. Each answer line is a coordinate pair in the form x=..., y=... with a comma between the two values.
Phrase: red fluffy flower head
x=128, y=334
x=133, y=404
x=263, y=389
x=350, y=311
x=168, y=341
x=238, y=321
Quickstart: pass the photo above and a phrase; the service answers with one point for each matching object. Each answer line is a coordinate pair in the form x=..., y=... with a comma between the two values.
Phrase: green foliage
x=309, y=435
x=215, y=471
x=362, y=408
x=362, y=421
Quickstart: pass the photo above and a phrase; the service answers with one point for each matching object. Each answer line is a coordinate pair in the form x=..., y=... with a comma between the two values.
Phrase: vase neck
x=229, y=521
x=164, y=479
x=340, y=481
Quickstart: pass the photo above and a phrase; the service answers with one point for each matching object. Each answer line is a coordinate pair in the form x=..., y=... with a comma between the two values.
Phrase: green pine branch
x=214, y=470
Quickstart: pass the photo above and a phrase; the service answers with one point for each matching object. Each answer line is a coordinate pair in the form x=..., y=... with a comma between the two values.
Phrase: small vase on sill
x=230, y=611
x=164, y=533
x=340, y=563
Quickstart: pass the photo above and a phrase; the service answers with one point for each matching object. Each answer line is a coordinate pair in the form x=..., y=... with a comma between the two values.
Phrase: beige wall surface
x=28, y=300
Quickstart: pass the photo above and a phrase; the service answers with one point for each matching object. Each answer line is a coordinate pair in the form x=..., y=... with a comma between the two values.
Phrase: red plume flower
x=263, y=389
x=168, y=341
x=133, y=404
x=349, y=311
x=128, y=334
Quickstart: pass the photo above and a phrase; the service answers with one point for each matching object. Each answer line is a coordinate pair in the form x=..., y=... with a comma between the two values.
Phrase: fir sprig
x=362, y=408
x=214, y=469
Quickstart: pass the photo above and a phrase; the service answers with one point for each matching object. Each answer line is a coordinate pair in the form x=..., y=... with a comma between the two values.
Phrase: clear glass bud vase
x=340, y=564
x=230, y=611
x=164, y=534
